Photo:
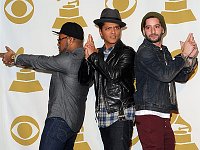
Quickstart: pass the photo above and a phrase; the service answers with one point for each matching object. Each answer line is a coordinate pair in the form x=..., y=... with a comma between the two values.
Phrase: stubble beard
x=159, y=39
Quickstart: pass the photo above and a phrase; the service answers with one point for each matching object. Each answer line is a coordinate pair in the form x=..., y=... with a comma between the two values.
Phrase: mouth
x=153, y=35
x=113, y=36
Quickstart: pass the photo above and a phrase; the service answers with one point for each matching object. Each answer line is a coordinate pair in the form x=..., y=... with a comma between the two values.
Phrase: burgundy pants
x=155, y=133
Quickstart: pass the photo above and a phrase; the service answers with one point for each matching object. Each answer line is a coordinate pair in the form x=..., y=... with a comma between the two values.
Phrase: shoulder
x=145, y=51
x=76, y=54
x=125, y=48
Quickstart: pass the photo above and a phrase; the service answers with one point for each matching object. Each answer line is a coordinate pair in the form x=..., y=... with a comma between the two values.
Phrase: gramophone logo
x=80, y=144
x=25, y=130
x=25, y=80
x=125, y=7
x=176, y=12
x=182, y=131
x=19, y=11
x=69, y=13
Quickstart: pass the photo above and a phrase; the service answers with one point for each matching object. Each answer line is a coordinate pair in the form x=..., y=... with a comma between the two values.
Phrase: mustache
x=153, y=34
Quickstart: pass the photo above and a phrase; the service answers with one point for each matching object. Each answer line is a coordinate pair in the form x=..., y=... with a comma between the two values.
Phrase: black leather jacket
x=155, y=70
x=113, y=79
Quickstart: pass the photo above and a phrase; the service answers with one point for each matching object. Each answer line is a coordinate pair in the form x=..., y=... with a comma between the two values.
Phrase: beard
x=63, y=49
x=158, y=39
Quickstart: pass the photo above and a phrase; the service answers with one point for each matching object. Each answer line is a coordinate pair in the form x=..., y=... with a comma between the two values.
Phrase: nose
x=153, y=30
x=113, y=30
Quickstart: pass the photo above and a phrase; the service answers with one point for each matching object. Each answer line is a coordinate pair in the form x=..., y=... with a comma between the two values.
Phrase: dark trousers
x=57, y=135
x=117, y=136
x=155, y=133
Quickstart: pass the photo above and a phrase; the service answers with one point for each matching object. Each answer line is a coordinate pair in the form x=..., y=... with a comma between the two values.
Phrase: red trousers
x=155, y=133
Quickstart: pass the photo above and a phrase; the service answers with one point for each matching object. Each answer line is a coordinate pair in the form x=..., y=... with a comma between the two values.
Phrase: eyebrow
x=153, y=25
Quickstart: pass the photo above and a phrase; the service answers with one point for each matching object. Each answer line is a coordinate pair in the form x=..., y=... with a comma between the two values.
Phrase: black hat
x=110, y=15
x=154, y=15
x=72, y=29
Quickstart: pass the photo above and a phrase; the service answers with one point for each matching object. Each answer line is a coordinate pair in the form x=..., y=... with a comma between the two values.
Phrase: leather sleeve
x=85, y=73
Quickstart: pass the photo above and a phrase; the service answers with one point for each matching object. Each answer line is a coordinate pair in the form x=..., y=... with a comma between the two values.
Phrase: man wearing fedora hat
x=67, y=97
x=111, y=68
x=156, y=74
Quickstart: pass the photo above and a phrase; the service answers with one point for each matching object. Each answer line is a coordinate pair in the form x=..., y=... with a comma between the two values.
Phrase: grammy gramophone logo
x=69, y=13
x=19, y=11
x=80, y=143
x=25, y=81
x=182, y=131
x=176, y=12
x=125, y=7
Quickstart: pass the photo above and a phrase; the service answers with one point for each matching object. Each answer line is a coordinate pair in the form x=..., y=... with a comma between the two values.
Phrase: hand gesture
x=195, y=51
x=189, y=47
x=89, y=46
x=8, y=56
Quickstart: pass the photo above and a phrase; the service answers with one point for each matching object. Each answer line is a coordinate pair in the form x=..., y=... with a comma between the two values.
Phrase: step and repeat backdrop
x=26, y=26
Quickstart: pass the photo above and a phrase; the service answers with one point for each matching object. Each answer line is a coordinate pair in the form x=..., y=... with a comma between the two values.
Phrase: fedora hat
x=110, y=15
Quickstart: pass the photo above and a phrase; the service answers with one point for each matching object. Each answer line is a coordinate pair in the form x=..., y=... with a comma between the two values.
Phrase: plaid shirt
x=105, y=119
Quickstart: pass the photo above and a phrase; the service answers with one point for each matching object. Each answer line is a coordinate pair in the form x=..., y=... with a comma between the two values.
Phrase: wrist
x=184, y=56
x=13, y=56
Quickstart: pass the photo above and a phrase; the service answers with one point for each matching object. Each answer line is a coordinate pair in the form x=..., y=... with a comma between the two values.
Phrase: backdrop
x=26, y=26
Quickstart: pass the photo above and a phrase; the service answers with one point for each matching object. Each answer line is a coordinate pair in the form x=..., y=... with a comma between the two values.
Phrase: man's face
x=153, y=30
x=111, y=33
x=62, y=43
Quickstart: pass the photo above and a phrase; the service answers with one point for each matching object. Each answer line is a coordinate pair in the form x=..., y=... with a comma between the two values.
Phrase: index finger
x=90, y=38
x=190, y=37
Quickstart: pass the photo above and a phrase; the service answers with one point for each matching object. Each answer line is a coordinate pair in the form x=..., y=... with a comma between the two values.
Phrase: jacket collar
x=117, y=48
x=150, y=44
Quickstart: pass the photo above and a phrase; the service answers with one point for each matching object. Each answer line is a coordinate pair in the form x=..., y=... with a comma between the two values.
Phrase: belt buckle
x=121, y=118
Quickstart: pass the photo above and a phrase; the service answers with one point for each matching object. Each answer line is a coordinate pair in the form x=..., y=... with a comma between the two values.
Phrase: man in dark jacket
x=112, y=68
x=67, y=97
x=156, y=74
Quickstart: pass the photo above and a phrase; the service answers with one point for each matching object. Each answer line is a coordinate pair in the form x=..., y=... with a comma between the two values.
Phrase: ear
x=71, y=40
x=100, y=32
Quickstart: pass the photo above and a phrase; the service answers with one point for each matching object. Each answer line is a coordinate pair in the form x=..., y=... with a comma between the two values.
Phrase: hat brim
x=101, y=21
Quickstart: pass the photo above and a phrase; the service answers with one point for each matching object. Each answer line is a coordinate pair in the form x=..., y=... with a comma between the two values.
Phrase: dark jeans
x=57, y=135
x=117, y=136
x=155, y=133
